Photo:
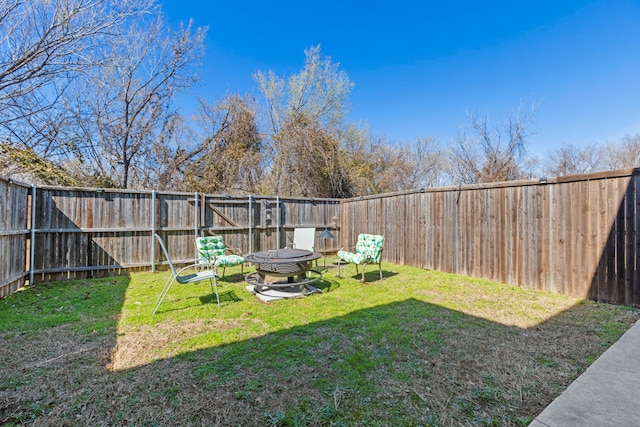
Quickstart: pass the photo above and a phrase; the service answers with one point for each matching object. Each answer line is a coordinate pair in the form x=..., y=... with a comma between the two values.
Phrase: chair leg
x=165, y=291
x=362, y=280
x=380, y=267
x=214, y=288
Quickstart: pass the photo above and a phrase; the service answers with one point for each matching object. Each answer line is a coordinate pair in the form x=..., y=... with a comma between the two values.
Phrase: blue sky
x=418, y=67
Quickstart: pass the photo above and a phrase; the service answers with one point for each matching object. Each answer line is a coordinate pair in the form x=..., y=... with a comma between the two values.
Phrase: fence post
x=278, y=222
x=153, y=230
x=32, y=246
x=250, y=213
x=196, y=225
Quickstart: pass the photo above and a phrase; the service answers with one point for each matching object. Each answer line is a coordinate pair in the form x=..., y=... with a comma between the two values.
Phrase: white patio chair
x=208, y=274
x=304, y=238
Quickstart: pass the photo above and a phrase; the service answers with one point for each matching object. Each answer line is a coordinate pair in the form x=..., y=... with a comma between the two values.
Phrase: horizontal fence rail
x=577, y=236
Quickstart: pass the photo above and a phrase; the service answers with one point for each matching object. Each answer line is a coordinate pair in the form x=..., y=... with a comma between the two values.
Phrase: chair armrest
x=193, y=264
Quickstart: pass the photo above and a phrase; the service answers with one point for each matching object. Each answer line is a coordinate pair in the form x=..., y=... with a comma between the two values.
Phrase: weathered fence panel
x=578, y=235
x=82, y=232
x=14, y=202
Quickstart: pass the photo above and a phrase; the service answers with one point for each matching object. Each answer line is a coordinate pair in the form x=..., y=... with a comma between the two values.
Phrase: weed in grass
x=13, y=383
x=430, y=420
x=171, y=393
x=274, y=418
x=548, y=363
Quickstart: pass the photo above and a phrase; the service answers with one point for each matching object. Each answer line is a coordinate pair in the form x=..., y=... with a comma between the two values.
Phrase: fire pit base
x=274, y=266
x=263, y=285
x=271, y=294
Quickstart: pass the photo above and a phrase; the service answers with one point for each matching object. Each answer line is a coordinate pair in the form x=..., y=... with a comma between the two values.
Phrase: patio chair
x=368, y=250
x=212, y=251
x=304, y=238
x=208, y=274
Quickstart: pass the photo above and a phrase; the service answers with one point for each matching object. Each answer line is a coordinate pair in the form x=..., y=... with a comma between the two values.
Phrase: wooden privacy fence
x=576, y=235
x=80, y=233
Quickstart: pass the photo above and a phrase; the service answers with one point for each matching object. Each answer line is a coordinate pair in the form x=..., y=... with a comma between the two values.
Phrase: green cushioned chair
x=368, y=250
x=212, y=251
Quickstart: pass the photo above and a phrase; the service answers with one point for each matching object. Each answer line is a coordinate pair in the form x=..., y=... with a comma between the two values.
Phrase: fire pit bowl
x=294, y=264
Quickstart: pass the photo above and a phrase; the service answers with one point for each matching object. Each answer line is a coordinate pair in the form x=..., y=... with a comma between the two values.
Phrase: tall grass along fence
x=79, y=232
x=576, y=235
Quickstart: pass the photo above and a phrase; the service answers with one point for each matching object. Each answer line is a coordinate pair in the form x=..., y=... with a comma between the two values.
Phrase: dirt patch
x=151, y=342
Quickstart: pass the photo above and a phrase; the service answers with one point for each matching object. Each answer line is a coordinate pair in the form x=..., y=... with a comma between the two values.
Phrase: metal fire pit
x=294, y=264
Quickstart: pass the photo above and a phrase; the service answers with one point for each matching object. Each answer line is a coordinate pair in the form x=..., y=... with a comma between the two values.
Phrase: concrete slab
x=606, y=394
x=274, y=294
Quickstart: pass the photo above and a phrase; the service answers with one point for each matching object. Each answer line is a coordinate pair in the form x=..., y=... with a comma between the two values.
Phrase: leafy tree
x=19, y=162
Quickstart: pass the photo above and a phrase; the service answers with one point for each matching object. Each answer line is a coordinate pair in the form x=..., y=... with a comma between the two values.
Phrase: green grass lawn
x=417, y=348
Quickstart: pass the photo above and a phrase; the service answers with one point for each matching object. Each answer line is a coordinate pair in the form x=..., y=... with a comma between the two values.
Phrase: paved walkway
x=606, y=394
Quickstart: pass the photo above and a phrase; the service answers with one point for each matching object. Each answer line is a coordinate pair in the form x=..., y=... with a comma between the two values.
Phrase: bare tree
x=43, y=45
x=569, y=159
x=408, y=166
x=308, y=163
x=123, y=104
x=305, y=109
x=319, y=91
x=623, y=154
x=484, y=152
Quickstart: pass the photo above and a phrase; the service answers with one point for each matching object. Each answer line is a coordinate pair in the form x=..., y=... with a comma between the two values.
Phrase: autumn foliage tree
x=231, y=160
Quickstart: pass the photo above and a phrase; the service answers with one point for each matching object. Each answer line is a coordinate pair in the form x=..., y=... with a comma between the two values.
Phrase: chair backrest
x=166, y=254
x=304, y=238
x=210, y=248
x=370, y=245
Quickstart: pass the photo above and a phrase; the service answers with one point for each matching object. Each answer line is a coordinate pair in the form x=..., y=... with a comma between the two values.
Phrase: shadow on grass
x=406, y=362
x=233, y=278
x=226, y=296
x=369, y=276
